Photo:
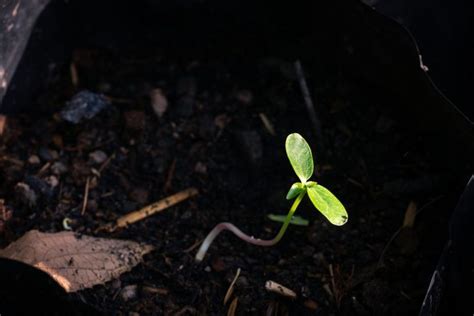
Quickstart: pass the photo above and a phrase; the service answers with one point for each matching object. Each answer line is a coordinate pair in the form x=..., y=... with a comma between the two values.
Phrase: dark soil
x=212, y=137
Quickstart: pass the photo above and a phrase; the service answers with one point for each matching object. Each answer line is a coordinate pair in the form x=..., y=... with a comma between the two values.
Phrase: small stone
x=84, y=105
x=159, y=103
x=135, y=120
x=200, y=168
x=244, y=96
x=58, y=168
x=34, y=160
x=98, y=157
x=208, y=269
x=48, y=154
x=52, y=181
x=129, y=292
x=26, y=194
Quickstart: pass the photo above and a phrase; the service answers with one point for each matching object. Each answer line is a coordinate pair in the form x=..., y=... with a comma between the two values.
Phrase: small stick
x=43, y=169
x=154, y=208
x=309, y=103
x=3, y=123
x=266, y=122
x=169, y=176
x=333, y=282
x=274, y=287
x=74, y=75
x=230, y=290
x=86, y=196
x=106, y=163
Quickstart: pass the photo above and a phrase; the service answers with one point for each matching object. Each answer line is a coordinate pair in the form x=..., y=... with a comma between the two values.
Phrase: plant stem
x=250, y=239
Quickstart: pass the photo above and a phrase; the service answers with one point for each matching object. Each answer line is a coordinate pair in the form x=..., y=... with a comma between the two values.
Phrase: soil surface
x=211, y=136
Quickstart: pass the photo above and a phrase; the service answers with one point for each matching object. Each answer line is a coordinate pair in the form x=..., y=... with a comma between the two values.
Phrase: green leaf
x=295, y=220
x=327, y=204
x=295, y=190
x=299, y=154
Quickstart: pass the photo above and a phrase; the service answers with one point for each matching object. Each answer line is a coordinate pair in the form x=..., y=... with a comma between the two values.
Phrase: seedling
x=301, y=159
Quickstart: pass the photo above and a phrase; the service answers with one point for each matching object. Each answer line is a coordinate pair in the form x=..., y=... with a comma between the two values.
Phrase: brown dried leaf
x=410, y=215
x=76, y=262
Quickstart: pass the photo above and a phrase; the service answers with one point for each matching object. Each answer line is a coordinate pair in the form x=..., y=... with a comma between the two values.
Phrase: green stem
x=250, y=239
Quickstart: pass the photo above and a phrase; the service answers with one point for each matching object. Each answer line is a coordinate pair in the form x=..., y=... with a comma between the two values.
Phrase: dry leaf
x=275, y=287
x=76, y=262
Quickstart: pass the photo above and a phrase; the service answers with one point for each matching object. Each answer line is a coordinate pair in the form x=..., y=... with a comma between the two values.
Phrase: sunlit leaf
x=295, y=190
x=327, y=204
x=300, y=156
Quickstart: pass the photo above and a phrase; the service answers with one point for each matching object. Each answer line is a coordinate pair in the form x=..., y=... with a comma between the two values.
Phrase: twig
x=268, y=125
x=154, y=208
x=333, y=283
x=86, y=196
x=424, y=207
x=309, y=103
x=74, y=75
x=230, y=290
x=106, y=163
x=274, y=287
x=43, y=169
x=169, y=176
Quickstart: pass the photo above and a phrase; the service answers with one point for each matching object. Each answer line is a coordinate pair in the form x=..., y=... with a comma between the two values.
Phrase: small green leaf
x=300, y=156
x=295, y=220
x=295, y=190
x=327, y=204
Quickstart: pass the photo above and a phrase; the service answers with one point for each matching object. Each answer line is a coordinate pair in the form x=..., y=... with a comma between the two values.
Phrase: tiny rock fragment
x=97, y=157
x=200, y=168
x=34, y=160
x=83, y=105
x=58, y=168
x=52, y=181
x=26, y=194
x=48, y=154
x=129, y=292
x=159, y=102
x=244, y=96
x=74, y=261
x=277, y=288
x=221, y=120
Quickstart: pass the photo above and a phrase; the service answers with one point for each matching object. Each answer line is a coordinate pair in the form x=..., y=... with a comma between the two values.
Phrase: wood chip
x=277, y=288
x=230, y=290
x=3, y=123
x=76, y=262
x=154, y=208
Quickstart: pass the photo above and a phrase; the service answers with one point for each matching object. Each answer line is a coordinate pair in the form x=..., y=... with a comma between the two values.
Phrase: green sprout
x=301, y=159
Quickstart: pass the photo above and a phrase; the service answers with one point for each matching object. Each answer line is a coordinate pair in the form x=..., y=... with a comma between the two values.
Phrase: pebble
x=208, y=269
x=200, y=168
x=129, y=292
x=52, y=181
x=58, y=168
x=159, y=103
x=83, y=105
x=34, y=160
x=26, y=194
x=48, y=154
x=98, y=157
